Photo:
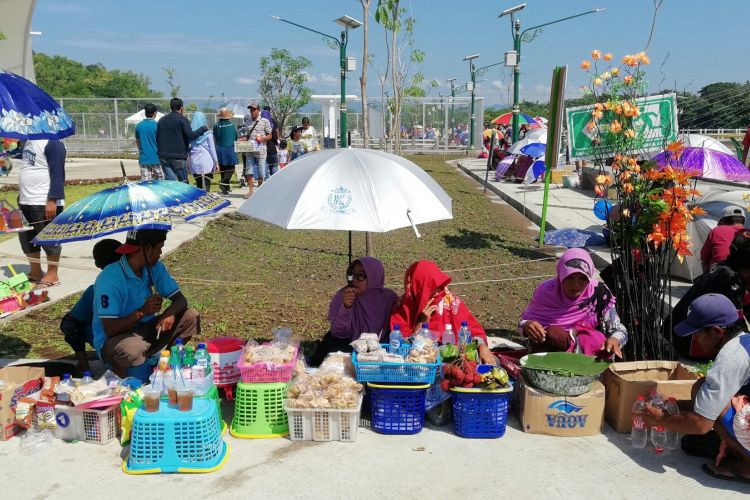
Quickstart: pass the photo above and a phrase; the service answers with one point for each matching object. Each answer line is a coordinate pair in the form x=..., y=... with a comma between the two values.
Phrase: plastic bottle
x=658, y=433
x=187, y=363
x=180, y=345
x=639, y=431
x=175, y=362
x=64, y=389
x=464, y=335
x=202, y=359
x=448, y=336
x=673, y=438
x=164, y=361
x=32, y=441
x=87, y=378
x=395, y=338
x=425, y=331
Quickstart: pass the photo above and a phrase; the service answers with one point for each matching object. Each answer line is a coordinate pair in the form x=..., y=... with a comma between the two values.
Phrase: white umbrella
x=238, y=107
x=704, y=141
x=138, y=117
x=350, y=190
x=533, y=136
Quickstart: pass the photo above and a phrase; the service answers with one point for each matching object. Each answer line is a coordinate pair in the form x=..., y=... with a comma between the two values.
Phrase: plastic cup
x=185, y=399
x=171, y=391
x=151, y=399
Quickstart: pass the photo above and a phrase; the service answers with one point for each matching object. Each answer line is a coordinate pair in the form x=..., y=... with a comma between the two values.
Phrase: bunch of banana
x=495, y=378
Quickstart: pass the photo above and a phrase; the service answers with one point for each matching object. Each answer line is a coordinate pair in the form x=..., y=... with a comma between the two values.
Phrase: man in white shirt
x=41, y=184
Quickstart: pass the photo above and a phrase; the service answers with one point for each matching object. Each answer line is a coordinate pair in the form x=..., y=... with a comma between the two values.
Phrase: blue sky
x=215, y=46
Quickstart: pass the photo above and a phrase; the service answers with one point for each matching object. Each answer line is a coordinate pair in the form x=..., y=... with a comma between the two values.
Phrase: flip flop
x=43, y=285
x=735, y=479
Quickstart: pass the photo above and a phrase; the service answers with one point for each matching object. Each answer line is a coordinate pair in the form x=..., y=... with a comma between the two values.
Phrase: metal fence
x=428, y=124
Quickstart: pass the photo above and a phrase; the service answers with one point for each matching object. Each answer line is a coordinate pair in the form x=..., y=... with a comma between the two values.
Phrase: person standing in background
x=257, y=129
x=145, y=140
x=41, y=185
x=173, y=136
x=203, y=161
x=225, y=134
x=308, y=135
x=272, y=157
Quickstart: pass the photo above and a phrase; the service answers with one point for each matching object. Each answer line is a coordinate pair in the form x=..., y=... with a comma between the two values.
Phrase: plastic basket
x=397, y=409
x=170, y=440
x=435, y=396
x=266, y=372
x=98, y=426
x=399, y=373
x=259, y=411
x=316, y=424
x=480, y=413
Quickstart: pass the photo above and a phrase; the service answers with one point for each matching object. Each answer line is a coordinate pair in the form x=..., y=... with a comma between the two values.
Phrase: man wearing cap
x=173, y=136
x=716, y=247
x=721, y=400
x=258, y=130
x=127, y=326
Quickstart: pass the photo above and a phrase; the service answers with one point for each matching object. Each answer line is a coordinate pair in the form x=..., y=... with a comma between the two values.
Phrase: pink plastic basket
x=266, y=372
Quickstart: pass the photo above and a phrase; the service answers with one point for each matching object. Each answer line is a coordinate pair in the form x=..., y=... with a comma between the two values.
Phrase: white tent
x=15, y=22
x=139, y=117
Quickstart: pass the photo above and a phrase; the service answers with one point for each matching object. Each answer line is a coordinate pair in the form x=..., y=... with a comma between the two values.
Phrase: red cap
x=127, y=248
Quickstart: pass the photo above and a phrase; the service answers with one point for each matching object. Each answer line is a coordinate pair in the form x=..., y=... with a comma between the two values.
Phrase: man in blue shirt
x=128, y=327
x=76, y=325
x=145, y=139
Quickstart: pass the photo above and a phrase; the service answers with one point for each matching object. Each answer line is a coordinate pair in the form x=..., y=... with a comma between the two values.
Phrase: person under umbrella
x=717, y=245
x=203, y=159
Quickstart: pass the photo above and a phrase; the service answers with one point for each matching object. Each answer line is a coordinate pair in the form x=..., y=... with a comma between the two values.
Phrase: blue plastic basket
x=399, y=373
x=170, y=440
x=480, y=413
x=397, y=409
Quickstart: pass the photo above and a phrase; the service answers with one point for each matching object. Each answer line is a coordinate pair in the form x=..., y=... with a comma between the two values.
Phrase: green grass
x=266, y=276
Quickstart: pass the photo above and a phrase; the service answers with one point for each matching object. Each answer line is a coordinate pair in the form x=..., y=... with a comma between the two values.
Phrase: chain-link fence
x=429, y=124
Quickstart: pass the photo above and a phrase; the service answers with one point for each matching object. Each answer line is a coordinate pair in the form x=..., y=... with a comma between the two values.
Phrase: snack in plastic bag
x=25, y=409
x=340, y=362
x=128, y=406
x=392, y=358
x=48, y=389
x=324, y=389
x=45, y=415
x=270, y=353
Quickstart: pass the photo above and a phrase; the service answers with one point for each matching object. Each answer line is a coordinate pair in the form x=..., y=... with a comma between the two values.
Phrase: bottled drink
x=64, y=389
x=187, y=363
x=658, y=433
x=202, y=364
x=464, y=334
x=639, y=432
x=180, y=345
x=673, y=438
x=174, y=359
x=395, y=338
x=87, y=378
x=448, y=336
x=164, y=361
x=425, y=331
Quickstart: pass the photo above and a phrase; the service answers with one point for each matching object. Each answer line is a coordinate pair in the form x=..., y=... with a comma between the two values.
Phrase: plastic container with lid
x=224, y=353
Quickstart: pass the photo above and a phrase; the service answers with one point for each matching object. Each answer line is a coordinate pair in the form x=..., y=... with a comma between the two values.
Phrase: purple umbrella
x=708, y=163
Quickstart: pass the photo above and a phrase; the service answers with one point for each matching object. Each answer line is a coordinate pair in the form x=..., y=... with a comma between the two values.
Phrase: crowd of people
x=173, y=147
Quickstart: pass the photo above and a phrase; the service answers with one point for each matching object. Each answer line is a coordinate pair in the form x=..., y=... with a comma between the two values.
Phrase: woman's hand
x=534, y=331
x=612, y=346
x=350, y=293
x=426, y=313
x=485, y=355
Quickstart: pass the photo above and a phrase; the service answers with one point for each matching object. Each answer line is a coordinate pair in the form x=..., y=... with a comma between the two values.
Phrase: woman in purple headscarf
x=364, y=305
x=573, y=312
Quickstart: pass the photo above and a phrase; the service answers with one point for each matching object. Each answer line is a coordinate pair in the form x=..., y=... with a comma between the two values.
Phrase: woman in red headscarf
x=427, y=300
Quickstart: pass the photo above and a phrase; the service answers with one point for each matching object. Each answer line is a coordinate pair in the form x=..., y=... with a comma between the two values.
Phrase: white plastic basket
x=98, y=426
x=324, y=424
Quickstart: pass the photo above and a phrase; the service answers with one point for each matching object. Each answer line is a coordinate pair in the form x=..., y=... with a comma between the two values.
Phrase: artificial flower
x=608, y=56
x=615, y=71
x=628, y=80
x=615, y=127
x=630, y=133
x=585, y=65
x=597, y=81
x=596, y=54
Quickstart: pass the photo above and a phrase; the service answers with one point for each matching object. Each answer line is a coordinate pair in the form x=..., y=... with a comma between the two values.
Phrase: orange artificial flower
x=615, y=71
x=628, y=80
x=598, y=190
x=598, y=106
x=608, y=56
x=590, y=126
x=676, y=148
x=643, y=58
x=597, y=81
x=630, y=60
x=596, y=54
x=585, y=65
x=615, y=127
x=627, y=187
x=618, y=110
x=637, y=169
x=597, y=114
x=602, y=179
x=630, y=133
x=608, y=105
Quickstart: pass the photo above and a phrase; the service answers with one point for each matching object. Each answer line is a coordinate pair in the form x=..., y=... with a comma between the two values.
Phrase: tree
x=282, y=84
x=172, y=82
x=363, y=77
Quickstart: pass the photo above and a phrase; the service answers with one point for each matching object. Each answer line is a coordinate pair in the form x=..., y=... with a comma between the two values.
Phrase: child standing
x=283, y=154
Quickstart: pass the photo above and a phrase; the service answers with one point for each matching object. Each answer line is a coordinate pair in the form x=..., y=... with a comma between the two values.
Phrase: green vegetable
x=566, y=364
x=471, y=351
x=449, y=351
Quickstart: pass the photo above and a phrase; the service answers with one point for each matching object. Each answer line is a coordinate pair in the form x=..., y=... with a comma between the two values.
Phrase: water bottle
x=464, y=335
x=448, y=336
x=639, y=432
x=87, y=378
x=66, y=387
x=425, y=331
x=395, y=339
x=180, y=345
x=202, y=360
x=658, y=433
x=174, y=359
x=673, y=438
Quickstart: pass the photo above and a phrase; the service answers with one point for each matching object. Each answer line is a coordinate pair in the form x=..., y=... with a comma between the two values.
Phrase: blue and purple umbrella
x=707, y=163
x=535, y=149
x=28, y=112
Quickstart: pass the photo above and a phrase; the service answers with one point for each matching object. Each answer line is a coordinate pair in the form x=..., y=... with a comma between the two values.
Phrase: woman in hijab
x=574, y=312
x=427, y=300
x=362, y=306
x=203, y=161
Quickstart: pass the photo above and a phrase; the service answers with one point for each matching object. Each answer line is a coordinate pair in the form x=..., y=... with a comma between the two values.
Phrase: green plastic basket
x=259, y=411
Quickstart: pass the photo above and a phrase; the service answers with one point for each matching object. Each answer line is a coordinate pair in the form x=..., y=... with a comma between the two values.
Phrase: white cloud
x=172, y=43
x=309, y=77
x=328, y=79
x=244, y=80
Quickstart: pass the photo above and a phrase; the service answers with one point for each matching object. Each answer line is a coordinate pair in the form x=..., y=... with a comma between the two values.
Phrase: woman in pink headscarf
x=573, y=312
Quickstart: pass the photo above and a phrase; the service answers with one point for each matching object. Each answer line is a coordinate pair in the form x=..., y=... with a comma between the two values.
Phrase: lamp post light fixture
x=472, y=73
x=347, y=23
x=452, y=81
x=526, y=35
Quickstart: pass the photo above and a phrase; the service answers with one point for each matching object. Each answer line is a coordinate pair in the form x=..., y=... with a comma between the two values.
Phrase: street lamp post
x=473, y=75
x=453, y=98
x=347, y=23
x=526, y=35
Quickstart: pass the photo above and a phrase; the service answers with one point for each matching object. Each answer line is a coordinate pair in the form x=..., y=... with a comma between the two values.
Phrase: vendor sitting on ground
x=730, y=278
x=427, y=300
x=128, y=328
x=718, y=243
x=722, y=399
x=76, y=325
x=364, y=305
x=573, y=312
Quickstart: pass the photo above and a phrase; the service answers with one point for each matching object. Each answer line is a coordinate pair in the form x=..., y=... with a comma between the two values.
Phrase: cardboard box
x=542, y=412
x=19, y=381
x=626, y=381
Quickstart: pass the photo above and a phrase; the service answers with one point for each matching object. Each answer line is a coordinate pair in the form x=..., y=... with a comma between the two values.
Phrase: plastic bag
x=282, y=335
x=128, y=406
x=340, y=362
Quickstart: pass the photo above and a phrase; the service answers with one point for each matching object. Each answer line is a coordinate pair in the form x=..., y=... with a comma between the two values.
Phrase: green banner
x=656, y=124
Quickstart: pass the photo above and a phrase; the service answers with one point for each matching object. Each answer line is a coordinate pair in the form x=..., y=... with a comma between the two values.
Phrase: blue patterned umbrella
x=573, y=238
x=131, y=205
x=535, y=149
x=28, y=112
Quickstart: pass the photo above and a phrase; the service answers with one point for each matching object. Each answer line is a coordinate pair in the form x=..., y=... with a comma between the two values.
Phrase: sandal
x=43, y=285
x=733, y=478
